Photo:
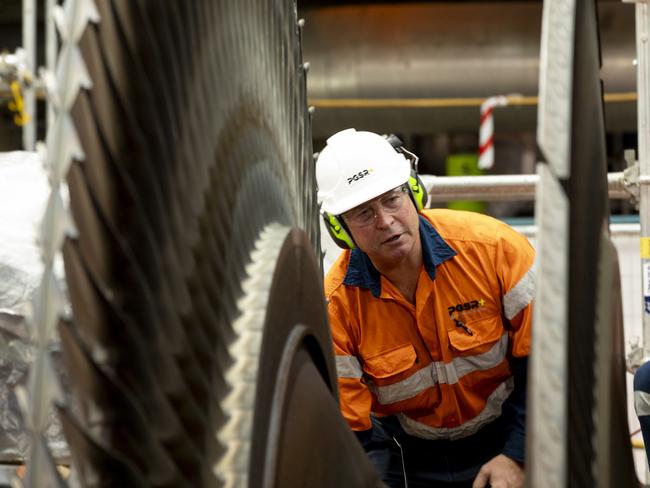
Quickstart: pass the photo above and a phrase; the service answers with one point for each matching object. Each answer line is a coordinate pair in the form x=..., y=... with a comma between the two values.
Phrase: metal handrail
x=508, y=187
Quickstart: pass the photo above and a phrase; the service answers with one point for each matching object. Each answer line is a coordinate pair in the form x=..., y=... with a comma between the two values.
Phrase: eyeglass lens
x=390, y=203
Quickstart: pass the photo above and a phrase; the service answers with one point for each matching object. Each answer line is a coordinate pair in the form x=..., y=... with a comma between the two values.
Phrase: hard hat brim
x=367, y=190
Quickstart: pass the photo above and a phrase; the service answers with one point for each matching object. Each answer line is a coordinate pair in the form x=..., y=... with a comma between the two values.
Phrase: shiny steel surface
x=442, y=50
x=501, y=187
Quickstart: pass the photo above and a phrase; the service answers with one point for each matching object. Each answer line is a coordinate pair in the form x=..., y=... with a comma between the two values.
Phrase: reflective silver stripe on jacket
x=348, y=367
x=440, y=372
x=642, y=403
x=520, y=296
x=491, y=412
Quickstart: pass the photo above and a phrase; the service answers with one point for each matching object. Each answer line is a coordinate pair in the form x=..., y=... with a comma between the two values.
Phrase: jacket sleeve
x=514, y=411
x=515, y=267
x=355, y=398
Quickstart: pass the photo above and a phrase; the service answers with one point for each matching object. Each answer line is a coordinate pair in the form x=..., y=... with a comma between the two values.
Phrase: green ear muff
x=416, y=187
x=418, y=191
x=338, y=231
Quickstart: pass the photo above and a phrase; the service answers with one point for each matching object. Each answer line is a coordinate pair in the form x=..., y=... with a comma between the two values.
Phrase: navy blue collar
x=362, y=273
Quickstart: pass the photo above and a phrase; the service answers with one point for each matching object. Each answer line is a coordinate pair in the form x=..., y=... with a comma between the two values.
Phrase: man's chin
x=396, y=251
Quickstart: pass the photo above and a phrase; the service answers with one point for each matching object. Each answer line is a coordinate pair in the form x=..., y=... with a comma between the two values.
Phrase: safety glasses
x=390, y=202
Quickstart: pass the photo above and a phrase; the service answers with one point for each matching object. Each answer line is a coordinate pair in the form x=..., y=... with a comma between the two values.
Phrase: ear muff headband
x=418, y=191
x=338, y=231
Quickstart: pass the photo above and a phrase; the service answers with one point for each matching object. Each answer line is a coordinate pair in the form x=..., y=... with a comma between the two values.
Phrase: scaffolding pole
x=29, y=44
x=643, y=86
x=51, y=49
x=616, y=230
x=510, y=187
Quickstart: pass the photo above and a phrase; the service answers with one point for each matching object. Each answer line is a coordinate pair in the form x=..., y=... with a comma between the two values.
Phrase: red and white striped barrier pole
x=486, y=131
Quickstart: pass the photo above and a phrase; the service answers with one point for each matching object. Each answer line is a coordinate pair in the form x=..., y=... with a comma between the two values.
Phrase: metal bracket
x=14, y=66
x=631, y=175
x=635, y=358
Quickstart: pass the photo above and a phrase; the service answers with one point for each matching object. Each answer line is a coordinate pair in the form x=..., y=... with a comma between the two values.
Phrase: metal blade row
x=194, y=135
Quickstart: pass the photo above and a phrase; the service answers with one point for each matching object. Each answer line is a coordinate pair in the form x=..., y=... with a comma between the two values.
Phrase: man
x=431, y=316
x=642, y=403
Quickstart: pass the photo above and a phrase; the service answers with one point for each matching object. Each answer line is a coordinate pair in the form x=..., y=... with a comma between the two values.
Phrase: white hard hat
x=357, y=166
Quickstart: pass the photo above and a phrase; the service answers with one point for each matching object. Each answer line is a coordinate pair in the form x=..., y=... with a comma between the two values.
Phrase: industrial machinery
x=577, y=428
x=196, y=340
x=197, y=343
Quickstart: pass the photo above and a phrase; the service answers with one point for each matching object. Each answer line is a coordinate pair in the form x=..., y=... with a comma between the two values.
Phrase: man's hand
x=500, y=472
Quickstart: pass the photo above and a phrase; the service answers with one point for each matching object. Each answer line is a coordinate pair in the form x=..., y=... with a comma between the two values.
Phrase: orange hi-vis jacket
x=441, y=365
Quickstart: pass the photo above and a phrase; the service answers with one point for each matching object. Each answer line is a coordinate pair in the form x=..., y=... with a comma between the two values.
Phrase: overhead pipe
x=443, y=102
x=446, y=50
x=491, y=188
x=425, y=67
x=616, y=230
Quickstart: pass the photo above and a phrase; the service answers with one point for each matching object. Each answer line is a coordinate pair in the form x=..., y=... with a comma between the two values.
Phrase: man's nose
x=382, y=218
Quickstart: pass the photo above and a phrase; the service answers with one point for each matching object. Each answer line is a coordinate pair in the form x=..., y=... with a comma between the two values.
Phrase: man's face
x=386, y=228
